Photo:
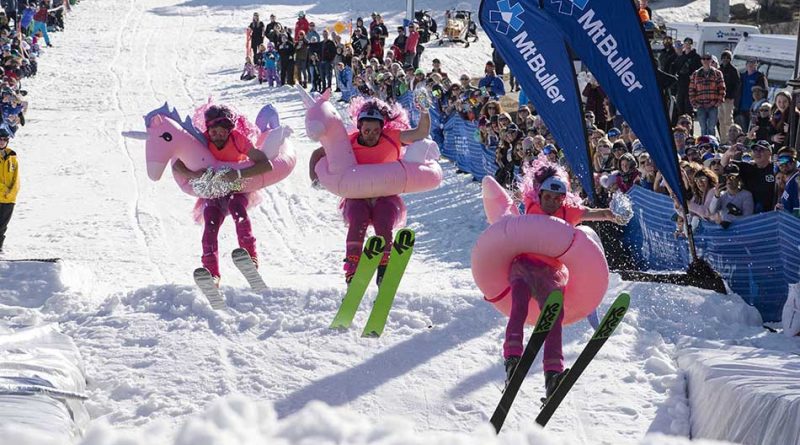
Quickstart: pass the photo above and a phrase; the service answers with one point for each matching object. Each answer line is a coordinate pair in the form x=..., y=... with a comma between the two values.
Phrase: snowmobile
x=427, y=25
x=459, y=27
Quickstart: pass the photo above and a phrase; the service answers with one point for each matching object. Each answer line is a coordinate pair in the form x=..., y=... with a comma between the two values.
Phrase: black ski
x=550, y=311
x=610, y=322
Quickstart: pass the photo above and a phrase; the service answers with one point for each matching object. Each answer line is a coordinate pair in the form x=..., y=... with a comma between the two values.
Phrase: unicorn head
x=168, y=137
x=320, y=113
x=324, y=125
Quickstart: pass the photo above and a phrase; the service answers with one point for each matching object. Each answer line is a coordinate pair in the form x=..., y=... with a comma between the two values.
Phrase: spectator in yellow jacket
x=9, y=182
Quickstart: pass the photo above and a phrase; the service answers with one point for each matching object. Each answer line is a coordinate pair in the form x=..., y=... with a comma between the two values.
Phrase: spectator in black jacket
x=684, y=65
x=360, y=43
x=758, y=177
x=256, y=31
x=731, y=77
x=273, y=30
x=11, y=7
x=667, y=56
x=380, y=29
x=360, y=26
x=286, y=51
x=326, y=60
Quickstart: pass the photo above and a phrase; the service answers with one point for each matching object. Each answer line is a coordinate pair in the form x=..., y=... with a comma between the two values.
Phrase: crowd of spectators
x=23, y=26
x=744, y=170
x=314, y=56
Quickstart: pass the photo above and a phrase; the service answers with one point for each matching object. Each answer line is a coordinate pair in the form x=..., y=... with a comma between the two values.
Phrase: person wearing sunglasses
x=758, y=177
x=787, y=163
x=731, y=201
x=760, y=126
x=9, y=181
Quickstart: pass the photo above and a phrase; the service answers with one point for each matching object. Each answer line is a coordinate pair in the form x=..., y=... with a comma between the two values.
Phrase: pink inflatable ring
x=418, y=170
x=391, y=178
x=511, y=235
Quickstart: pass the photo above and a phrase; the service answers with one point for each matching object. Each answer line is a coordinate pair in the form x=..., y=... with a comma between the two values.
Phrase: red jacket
x=301, y=25
x=411, y=42
x=40, y=15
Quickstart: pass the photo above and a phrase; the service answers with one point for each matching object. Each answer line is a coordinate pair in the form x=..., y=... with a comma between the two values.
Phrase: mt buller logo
x=567, y=6
x=506, y=16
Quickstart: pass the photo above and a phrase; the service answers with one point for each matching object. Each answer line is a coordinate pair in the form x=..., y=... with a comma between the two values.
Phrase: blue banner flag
x=607, y=35
x=534, y=50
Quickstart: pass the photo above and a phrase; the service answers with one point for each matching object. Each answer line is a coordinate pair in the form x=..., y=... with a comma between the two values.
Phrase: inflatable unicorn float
x=576, y=252
x=417, y=170
x=170, y=138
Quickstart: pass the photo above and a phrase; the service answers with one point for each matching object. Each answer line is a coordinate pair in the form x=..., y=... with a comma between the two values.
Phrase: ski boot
x=551, y=381
x=511, y=365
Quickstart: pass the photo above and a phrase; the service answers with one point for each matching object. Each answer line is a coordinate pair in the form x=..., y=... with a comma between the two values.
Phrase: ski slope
x=164, y=368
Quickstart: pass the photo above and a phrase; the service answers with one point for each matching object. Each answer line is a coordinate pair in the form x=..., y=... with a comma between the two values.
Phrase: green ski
x=610, y=322
x=367, y=265
x=402, y=248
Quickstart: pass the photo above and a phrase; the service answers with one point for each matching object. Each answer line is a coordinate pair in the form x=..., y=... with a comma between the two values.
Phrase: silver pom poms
x=622, y=208
x=214, y=185
x=422, y=99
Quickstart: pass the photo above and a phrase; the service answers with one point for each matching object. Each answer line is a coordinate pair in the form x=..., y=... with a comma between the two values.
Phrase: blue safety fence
x=757, y=256
x=457, y=139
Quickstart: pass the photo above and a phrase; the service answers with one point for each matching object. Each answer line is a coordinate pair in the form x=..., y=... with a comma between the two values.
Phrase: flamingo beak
x=496, y=202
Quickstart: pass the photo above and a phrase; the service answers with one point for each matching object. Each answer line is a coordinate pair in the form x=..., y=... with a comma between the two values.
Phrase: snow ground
x=759, y=387
x=671, y=11
x=156, y=355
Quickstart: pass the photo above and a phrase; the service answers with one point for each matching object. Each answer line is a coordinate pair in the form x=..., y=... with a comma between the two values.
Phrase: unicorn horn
x=496, y=202
x=133, y=134
x=308, y=101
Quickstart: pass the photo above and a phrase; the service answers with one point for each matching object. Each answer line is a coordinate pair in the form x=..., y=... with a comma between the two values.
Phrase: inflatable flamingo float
x=510, y=234
x=417, y=170
x=169, y=138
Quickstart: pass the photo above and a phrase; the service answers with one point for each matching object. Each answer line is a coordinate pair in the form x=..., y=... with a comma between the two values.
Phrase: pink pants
x=381, y=212
x=531, y=276
x=214, y=212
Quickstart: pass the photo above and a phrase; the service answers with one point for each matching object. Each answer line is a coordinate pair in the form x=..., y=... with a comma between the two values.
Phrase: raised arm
x=422, y=131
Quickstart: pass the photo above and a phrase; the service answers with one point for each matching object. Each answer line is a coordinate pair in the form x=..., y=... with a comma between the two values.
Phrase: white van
x=775, y=54
x=710, y=37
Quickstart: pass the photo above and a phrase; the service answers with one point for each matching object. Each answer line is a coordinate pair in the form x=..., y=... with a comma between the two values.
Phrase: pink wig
x=241, y=123
x=540, y=170
x=396, y=117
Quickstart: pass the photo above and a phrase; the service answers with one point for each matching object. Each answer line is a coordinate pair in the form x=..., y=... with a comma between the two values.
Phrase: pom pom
x=622, y=208
x=422, y=98
x=214, y=185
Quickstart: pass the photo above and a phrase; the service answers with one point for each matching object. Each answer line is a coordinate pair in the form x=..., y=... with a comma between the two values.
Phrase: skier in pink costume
x=227, y=141
x=545, y=192
x=382, y=131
